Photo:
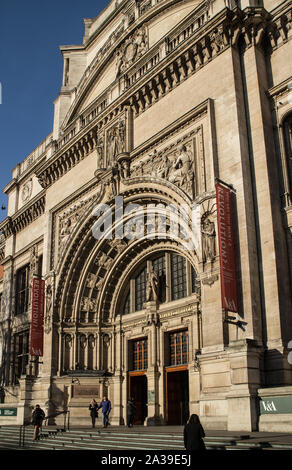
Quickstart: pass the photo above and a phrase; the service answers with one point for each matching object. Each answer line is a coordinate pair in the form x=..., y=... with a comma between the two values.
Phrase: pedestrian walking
x=131, y=410
x=38, y=416
x=105, y=406
x=93, y=408
x=193, y=434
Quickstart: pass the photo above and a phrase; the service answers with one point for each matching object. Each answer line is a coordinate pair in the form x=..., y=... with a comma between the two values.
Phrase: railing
x=21, y=442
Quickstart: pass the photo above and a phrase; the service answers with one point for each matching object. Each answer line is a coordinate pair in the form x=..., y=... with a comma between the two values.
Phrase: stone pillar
x=152, y=372
x=271, y=243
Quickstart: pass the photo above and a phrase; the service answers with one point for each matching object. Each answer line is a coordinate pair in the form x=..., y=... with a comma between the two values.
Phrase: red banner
x=37, y=317
x=226, y=248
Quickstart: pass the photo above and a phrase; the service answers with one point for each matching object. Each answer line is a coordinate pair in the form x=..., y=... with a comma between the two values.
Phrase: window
x=127, y=305
x=140, y=290
x=140, y=354
x=194, y=281
x=21, y=353
x=178, y=343
x=22, y=290
x=178, y=277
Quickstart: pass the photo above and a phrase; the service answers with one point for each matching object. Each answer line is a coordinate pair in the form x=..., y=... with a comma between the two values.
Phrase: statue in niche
x=100, y=150
x=65, y=230
x=152, y=285
x=208, y=239
x=49, y=298
x=116, y=142
x=33, y=260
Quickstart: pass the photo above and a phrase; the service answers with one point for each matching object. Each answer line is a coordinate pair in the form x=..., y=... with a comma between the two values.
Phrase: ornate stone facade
x=166, y=99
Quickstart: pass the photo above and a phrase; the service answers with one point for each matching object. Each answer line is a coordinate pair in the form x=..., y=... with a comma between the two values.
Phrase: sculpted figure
x=152, y=285
x=182, y=172
x=208, y=239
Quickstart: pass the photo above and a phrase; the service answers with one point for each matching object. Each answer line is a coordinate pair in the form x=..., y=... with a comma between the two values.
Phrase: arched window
x=177, y=279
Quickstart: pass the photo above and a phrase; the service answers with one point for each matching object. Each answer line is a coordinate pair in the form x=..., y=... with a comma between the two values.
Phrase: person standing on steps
x=194, y=434
x=93, y=408
x=131, y=409
x=105, y=406
x=38, y=416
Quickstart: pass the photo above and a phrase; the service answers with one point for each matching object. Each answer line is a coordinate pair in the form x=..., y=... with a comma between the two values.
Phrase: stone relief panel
x=182, y=164
x=68, y=220
x=26, y=191
x=131, y=50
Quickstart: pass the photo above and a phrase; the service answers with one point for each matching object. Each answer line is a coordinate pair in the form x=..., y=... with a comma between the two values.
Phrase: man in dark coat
x=193, y=434
x=131, y=409
x=38, y=416
x=105, y=406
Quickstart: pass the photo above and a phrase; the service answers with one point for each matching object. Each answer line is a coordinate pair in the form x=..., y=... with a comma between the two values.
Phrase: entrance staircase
x=138, y=438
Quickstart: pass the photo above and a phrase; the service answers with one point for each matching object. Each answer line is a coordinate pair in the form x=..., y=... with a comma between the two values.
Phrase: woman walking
x=193, y=434
x=93, y=407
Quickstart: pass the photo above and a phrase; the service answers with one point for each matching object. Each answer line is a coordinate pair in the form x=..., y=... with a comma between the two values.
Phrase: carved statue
x=182, y=172
x=33, y=261
x=163, y=167
x=116, y=142
x=152, y=285
x=208, y=239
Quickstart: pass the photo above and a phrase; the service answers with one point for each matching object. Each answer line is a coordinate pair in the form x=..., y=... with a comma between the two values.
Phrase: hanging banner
x=226, y=248
x=37, y=317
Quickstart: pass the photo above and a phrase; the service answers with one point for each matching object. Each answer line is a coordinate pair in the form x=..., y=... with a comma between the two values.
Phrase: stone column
x=152, y=372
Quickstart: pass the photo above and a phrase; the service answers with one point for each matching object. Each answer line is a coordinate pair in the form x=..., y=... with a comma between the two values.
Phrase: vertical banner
x=37, y=317
x=226, y=248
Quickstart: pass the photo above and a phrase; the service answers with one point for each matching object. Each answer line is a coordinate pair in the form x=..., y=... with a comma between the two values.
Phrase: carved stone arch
x=79, y=259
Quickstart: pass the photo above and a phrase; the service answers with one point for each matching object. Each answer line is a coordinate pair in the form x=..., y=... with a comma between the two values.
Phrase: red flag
x=37, y=317
x=226, y=248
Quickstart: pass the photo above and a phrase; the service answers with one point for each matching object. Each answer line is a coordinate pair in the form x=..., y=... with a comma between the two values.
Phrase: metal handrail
x=21, y=442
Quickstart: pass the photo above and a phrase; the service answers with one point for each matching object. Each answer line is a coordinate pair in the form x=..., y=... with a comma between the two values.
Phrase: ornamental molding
x=24, y=217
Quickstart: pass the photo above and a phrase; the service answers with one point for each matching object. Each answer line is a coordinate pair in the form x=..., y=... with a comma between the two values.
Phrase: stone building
x=163, y=99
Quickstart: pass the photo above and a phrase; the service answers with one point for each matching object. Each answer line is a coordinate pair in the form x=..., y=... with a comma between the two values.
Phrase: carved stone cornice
x=24, y=217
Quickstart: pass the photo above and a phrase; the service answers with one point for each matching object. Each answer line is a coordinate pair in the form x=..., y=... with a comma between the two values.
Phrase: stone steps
x=116, y=439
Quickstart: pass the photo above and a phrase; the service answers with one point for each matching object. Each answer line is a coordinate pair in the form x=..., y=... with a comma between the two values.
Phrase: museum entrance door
x=177, y=395
x=138, y=390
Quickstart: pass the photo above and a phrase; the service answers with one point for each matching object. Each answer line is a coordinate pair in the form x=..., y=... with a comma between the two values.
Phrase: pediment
x=123, y=48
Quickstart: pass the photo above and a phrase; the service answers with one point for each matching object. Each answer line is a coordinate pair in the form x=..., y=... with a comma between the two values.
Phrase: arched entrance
x=129, y=291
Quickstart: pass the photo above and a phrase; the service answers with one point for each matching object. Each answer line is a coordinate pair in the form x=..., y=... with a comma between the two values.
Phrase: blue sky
x=31, y=67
